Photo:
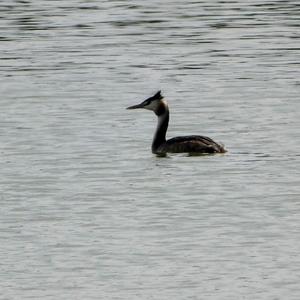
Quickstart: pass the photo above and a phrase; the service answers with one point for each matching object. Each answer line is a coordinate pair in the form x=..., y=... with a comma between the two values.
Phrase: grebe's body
x=189, y=144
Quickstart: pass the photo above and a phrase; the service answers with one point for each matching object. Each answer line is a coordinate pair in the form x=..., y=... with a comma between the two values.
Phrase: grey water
x=87, y=211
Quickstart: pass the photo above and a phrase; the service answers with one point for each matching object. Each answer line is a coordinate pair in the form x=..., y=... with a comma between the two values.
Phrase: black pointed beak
x=136, y=106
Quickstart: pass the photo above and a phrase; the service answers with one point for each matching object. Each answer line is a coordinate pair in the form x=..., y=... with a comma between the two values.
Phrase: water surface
x=87, y=211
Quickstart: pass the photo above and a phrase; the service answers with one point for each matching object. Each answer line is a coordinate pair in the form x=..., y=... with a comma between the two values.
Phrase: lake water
x=87, y=211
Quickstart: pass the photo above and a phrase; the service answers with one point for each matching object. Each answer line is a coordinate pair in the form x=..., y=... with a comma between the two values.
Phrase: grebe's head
x=154, y=103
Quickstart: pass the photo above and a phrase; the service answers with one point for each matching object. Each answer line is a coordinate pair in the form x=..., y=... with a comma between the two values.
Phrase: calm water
x=87, y=212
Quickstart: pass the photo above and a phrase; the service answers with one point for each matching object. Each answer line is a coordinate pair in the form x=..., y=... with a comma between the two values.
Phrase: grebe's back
x=193, y=144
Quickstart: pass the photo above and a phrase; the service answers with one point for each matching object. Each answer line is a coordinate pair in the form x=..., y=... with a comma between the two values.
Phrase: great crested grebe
x=189, y=144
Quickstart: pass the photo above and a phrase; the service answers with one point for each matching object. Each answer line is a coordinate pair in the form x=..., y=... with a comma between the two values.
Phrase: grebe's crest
x=153, y=102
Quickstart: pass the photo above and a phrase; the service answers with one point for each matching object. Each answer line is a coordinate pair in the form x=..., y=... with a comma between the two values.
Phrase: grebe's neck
x=159, y=138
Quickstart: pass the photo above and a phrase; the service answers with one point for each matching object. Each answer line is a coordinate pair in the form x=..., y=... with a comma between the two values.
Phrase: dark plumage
x=189, y=144
x=193, y=143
